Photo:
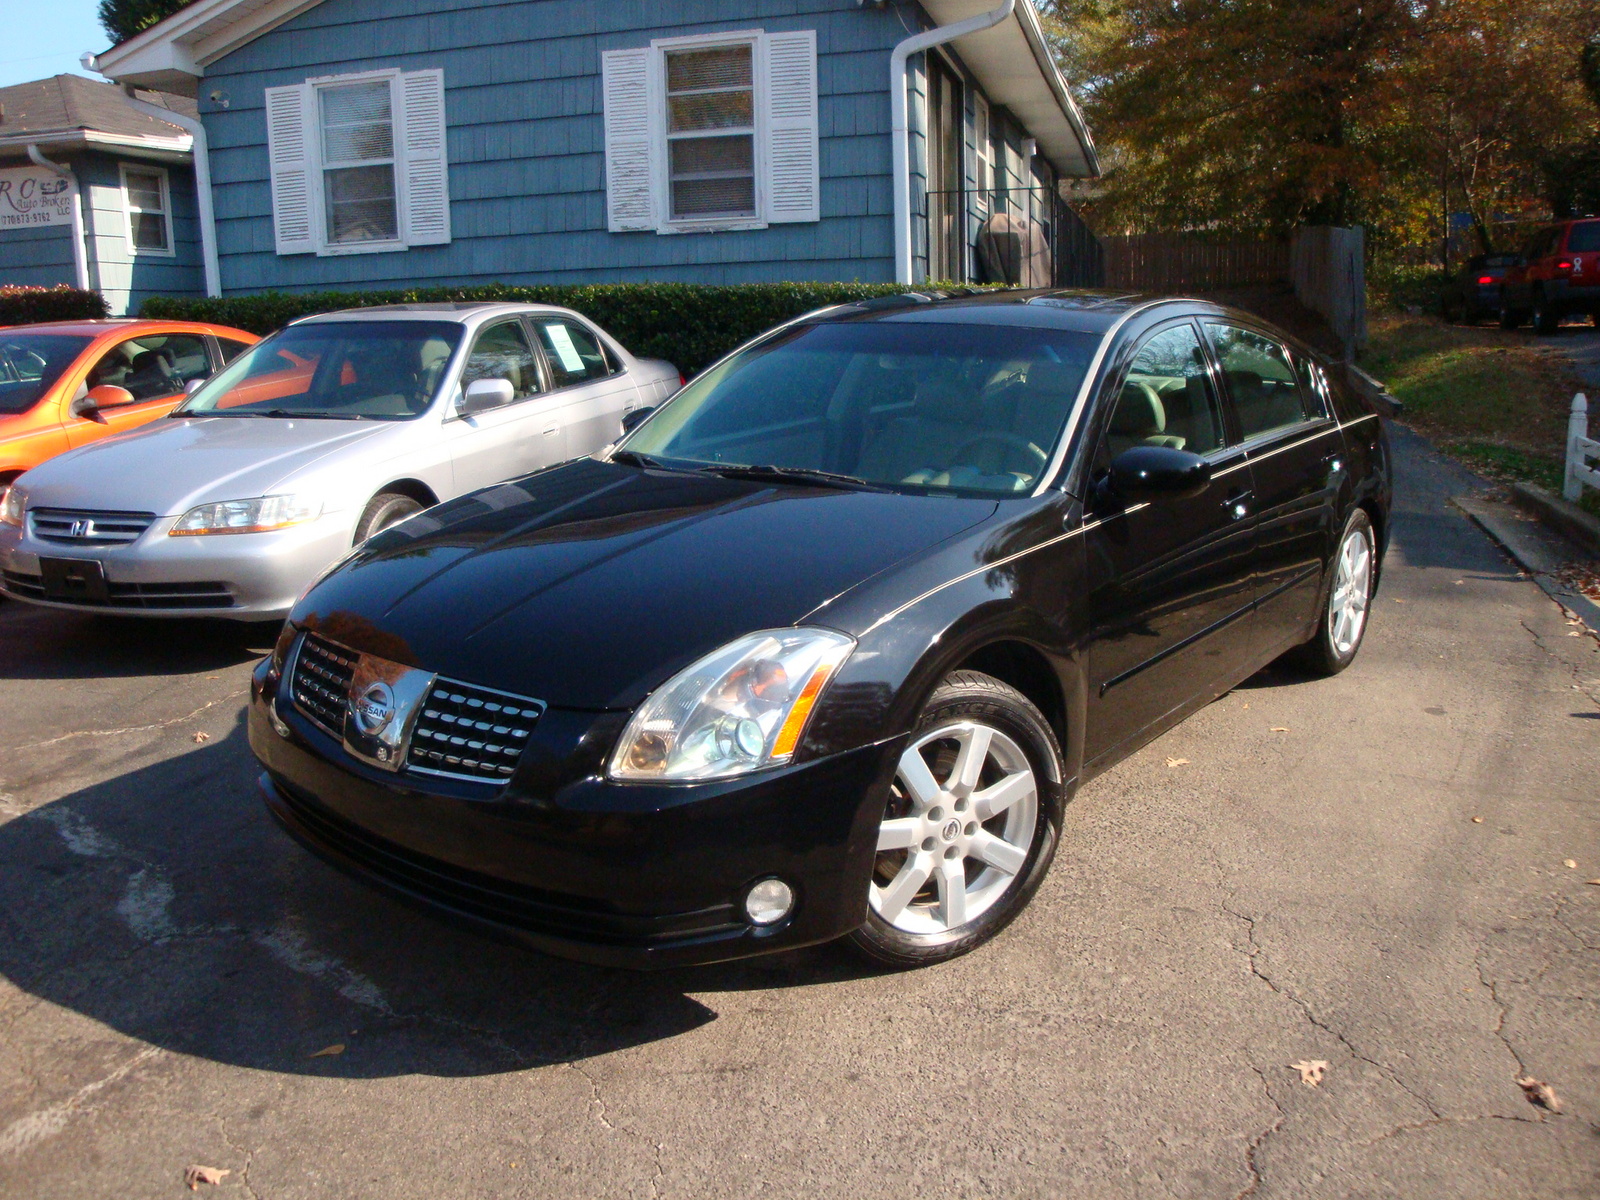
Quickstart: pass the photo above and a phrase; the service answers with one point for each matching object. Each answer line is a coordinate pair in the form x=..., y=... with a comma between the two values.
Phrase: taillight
x=1564, y=266
x=1485, y=278
x=683, y=380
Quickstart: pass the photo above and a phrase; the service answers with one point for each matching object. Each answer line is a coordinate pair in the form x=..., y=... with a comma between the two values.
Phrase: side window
x=1167, y=398
x=502, y=352
x=1261, y=379
x=1313, y=386
x=231, y=349
x=574, y=352
x=154, y=366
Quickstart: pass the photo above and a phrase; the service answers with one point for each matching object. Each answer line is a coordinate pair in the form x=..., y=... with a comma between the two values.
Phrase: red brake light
x=683, y=380
x=1485, y=278
x=1565, y=265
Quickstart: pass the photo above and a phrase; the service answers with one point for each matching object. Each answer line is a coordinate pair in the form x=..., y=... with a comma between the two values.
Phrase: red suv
x=1559, y=275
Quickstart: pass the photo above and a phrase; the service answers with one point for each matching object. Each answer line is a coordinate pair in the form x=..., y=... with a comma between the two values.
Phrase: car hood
x=171, y=465
x=588, y=584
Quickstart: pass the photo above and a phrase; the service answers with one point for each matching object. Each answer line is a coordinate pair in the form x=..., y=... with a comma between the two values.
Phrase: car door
x=1296, y=453
x=154, y=369
x=1169, y=580
x=593, y=390
x=501, y=443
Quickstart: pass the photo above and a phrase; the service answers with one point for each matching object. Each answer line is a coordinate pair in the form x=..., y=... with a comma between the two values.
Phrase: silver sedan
x=307, y=444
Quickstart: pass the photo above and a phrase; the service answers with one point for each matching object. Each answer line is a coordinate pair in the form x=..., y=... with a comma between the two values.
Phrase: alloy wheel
x=957, y=829
x=1352, y=592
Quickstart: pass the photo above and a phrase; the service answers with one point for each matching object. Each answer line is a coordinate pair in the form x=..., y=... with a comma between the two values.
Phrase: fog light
x=768, y=902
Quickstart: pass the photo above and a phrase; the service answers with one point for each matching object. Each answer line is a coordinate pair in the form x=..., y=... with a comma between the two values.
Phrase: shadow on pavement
x=47, y=643
x=167, y=905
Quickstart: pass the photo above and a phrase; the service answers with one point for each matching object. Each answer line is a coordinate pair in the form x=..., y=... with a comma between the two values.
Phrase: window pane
x=503, y=352
x=153, y=367
x=231, y=349
x=144, y=191
x=713, y=197
x=1584, y=238
x=1166, y=399
x=356, y=122
x=149, y=231
x=361, y=204
x=697, y=70
x=574, y=353
x=1260, y=379
x=713, y=176
x=710, y=110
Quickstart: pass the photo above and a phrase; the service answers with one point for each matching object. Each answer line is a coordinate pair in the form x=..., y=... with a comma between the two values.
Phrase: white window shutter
x=793, y=171
x=289, y=130
x=427, y=182
x=625, y=88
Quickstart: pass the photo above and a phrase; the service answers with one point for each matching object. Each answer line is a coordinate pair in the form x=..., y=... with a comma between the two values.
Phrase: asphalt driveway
x=1366, y=871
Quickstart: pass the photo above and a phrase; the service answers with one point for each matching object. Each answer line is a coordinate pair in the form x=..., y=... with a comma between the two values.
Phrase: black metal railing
x=1023, y=235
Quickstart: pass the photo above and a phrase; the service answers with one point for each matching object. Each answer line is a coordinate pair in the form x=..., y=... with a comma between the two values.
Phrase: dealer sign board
x=30, y=197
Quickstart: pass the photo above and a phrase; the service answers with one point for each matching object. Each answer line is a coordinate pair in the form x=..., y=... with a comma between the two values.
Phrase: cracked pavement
x=170, y=963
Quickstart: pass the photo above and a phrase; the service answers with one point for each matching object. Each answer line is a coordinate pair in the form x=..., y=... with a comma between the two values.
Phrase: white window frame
x=318, y=193
x=983, y=142
x=128, y=210
x=661, y=182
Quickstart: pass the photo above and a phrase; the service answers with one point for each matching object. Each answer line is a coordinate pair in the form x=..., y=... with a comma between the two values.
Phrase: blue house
x=97, y=190
x=373, y=143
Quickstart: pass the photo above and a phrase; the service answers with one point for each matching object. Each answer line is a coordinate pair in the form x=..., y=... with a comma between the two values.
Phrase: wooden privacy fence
x=1327, y=265
x=1180, y=262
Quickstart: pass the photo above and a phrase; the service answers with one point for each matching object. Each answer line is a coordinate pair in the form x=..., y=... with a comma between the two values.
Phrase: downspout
x=899, y=125
x=202, y=183
x=80, y=260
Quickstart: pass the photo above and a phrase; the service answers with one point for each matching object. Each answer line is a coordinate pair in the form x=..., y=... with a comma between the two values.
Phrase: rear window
x=1584, y=237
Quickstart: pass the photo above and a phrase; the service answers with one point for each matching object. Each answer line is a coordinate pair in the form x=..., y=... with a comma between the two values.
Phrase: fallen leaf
x=1594, y=882
x=1279, y=729
x=1570, y=863
x=196, y=1175
x=1177, y=762
x=1540, y=1094
x=1477, y=820
x=1247, y=706
x=1397, y=600
x=330, y=1051
x=1311, y=1071
x=1459, y=582
x=201, y=736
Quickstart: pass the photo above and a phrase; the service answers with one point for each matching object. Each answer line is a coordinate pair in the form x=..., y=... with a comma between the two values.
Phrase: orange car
x=67, y=383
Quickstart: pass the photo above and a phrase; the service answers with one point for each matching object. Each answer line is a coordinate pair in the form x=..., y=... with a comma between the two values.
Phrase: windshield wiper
x=638, y=460
x=281, y=413
x=797, y=475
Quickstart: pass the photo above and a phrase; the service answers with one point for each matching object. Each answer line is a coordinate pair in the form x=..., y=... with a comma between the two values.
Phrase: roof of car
x=443, y=310
x=107, y=325
x=1085, y=310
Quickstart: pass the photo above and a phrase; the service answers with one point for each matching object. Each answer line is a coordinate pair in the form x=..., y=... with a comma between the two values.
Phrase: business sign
x=31, y=196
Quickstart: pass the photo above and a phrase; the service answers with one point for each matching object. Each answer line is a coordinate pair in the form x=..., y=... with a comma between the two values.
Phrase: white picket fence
x=1581, y=450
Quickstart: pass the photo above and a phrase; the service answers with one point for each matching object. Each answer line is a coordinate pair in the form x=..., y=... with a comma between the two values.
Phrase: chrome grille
x=470, y=732
x=83, y=526
x=321, y=685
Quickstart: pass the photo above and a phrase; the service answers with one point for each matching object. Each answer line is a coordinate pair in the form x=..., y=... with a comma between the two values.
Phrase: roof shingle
x=64, y=103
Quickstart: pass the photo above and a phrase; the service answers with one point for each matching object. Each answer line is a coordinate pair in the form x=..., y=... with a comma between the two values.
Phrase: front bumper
x=243, y=576
x=568, y=862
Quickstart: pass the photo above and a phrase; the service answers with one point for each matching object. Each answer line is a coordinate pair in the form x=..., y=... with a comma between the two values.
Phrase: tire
x=915, y=914
x=1334, y=646
x=1546, y=320
x=383, y=510
x=1510, y=318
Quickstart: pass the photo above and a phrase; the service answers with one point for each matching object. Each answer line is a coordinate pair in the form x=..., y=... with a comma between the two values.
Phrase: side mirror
x=631, y=420
x=1149, y=472
x=193, y=386
x=484, y=394
x=107, y=395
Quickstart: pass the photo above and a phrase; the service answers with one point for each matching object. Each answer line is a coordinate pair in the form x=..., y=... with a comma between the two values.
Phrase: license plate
x=74, y=580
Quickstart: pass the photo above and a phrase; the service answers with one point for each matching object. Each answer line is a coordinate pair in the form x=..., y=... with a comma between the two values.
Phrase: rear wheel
x=969, y=827
x=1546, y=318
x=1343, y=620
x=383, y=510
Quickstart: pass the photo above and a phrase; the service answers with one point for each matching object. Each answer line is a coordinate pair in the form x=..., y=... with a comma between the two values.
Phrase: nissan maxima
x=822, y=647
x=308, y=443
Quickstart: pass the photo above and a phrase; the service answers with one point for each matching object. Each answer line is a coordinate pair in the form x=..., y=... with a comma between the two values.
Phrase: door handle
x=1238, y=503
x=554, y=429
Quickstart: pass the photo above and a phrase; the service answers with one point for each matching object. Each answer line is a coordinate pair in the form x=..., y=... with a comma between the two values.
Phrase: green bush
x=31, y=305
x=689, y=325
x=1403, y=286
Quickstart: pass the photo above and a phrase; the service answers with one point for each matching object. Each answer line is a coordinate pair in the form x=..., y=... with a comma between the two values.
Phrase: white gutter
x=80, y=262
x=202, y=183
x=899, y=125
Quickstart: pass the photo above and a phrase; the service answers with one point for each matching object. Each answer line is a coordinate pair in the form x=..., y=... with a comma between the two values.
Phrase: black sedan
x=1473, y=291
x=822, y=648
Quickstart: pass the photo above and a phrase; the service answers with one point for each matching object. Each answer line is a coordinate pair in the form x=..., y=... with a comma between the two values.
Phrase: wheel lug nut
x=927, y=843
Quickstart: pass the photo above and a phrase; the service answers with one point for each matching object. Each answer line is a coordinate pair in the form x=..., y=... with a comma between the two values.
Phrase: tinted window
x=1313, y=386
x=1166, y=397
x=30, y=363
x=1499, y=260
x=231, y=349
x=153, y=367
x=503, y=352
x=1261, y=380
x=573, y=352
x=384, y=370
x=1584, y=237
x=959, y=407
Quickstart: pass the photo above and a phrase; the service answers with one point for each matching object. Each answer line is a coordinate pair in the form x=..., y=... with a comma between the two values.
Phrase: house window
x=985, y=157
x=711, y=142
x=148, y=203
x=358, y=180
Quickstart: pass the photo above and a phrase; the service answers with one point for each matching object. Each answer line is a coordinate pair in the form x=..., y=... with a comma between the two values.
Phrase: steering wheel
x=1011, y=441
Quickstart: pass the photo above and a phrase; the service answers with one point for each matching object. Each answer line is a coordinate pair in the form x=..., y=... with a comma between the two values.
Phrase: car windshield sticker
x=565, y=350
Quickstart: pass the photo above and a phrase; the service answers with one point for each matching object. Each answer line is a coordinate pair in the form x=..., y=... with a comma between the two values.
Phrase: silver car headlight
x=13, y=506
x=737, y=710
x=260, y=515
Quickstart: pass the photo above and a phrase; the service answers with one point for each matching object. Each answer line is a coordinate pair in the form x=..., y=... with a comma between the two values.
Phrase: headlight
x=737, y=710
x=13, y=506
x=248, y=516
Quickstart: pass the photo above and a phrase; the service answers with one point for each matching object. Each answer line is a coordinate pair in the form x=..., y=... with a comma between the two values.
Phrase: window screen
x=711, y=132
x=358, y=162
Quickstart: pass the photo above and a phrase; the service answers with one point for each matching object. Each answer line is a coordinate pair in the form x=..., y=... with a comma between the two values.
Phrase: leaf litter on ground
x=196, y=1175
x=1539, y=1093
x=1311, y=1070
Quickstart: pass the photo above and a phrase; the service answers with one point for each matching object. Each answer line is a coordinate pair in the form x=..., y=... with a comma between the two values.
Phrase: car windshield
x=912, y=406
x=30, y=363
x=1584, y=238
x=350, y=370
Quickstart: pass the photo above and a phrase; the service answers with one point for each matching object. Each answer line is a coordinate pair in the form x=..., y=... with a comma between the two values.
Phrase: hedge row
x=689, y=325
x=31, y=305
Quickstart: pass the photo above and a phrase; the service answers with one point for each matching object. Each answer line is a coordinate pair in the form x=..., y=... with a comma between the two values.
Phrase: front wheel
x=1343, y=620
x=969, y=827
x=1546, y=319
x=383, y=510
